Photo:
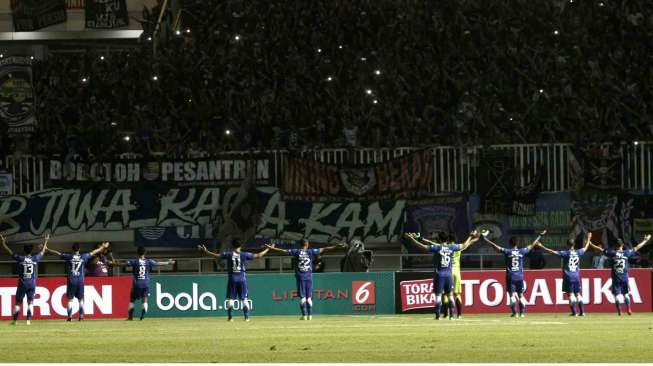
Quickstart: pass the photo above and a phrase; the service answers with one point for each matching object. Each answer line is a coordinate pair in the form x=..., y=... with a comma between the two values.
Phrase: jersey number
x=28, y=270
x=514, y=264
x=573, y=263
x=304, y=264
x=236, y=264
x=445, y=260
x=619, y=265
x=75, y=268
x=141, y=272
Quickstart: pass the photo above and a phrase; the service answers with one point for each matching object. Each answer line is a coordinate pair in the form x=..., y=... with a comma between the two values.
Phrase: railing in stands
x=454, y=167
x=75, y=4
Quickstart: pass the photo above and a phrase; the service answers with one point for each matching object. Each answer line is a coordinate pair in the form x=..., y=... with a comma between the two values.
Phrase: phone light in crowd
x=363, y=59
x=555, y=32
x=114, y=124
x=84, y=80
x=329, y=78
x=227, y=132
x=375, y=101
x=155, y=78
x=2, y=55
x=102, y=58
x=189, y=100
x=178, y=32
x=636, y=143
x=126, y=138
x=541, y=91
x=237, y=37
x=340, y=46
x=377, y=72
x=319, y=50
x=601, y=3
x=149, y=38
x=510, y=118
x=368, y=91
x=187, y=30
x=31, y=57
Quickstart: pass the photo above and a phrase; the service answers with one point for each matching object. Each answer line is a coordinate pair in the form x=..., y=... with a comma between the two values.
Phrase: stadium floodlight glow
x=155, y=78
x=368, y=91
x=377, y=72
x=227, y=132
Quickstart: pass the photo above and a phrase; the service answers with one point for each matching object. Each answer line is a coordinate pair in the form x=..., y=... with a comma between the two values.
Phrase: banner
x=484, y=292
x=603, y=172
x=104, y=297
x=406, y=177
x=273, y=294
x=439, y=214
x=552, y=212
x=222, y=170
x=495, y=180
x=17, y=98
x=200, y=211
x=6, y=184
x=31, y=15
x=607, y=216
x=106, y=14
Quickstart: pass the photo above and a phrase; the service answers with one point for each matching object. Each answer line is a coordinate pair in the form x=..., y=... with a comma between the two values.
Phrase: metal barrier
x=454, y=167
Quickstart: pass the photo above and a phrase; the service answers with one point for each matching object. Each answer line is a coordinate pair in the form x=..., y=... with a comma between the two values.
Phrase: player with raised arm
x=442, y=275
x=75, y=266
x=514, y=270
x=141, y=268
x=620, y=266
x=304, y=272
x=237, y=279
x=28, y=271
x=571, y=272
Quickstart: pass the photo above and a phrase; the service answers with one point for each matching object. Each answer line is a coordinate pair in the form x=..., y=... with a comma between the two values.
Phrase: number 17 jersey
x=75, y=266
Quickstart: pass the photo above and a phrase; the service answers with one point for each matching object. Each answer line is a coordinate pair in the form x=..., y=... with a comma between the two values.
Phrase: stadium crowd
x=385, y=73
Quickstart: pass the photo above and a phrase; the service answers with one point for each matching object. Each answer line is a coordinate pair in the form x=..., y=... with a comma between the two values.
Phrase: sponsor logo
x=363, y=296
x=192, y=301
x=51, y=302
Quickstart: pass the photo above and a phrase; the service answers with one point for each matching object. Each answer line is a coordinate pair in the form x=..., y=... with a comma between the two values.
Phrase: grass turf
x=401, y=338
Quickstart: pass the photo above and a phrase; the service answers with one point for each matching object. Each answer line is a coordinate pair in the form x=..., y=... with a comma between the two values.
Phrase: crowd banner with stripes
x=407, y=177
x=17, y=97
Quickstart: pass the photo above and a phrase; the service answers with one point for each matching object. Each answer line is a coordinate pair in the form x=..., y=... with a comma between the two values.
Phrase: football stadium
x=343, y=181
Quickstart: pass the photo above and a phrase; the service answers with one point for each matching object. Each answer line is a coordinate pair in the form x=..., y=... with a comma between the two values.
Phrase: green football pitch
x=401, y=338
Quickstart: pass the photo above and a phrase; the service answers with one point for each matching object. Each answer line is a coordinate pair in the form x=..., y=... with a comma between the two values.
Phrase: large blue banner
x=201, y=213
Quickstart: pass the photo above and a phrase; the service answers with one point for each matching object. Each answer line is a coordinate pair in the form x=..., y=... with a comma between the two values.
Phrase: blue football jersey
x=75, y=265
x=620, y=263
x=28, y=269
x=443, y=257
x=571, y=262
x=304, y=262
x=141, y=269
x=237, y=264
x=515, y=261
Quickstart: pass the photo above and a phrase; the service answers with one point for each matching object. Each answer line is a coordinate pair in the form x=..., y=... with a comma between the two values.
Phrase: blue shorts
x=620, y=286
x=236, y=290
x=22, y=291
x=75, y=290
x=138, y=292
x=305, y=287
x=514, y=285
x=571, y=285
x=442, y=283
